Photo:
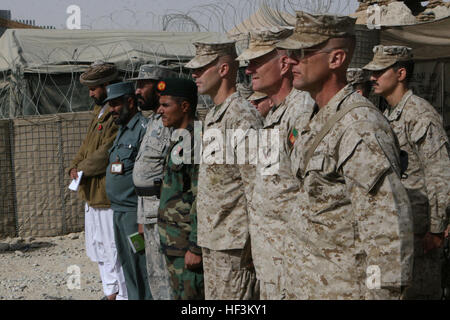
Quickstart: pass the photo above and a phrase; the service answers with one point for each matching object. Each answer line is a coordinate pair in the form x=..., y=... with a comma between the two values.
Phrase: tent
x=39, y=69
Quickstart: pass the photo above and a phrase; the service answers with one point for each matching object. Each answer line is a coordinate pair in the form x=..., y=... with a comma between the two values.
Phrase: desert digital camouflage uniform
x=356, y=76
x=177, y=219
x=224, y=194
x=224, y=190
x=275, y=192
x=352, y=228
x=421, y=135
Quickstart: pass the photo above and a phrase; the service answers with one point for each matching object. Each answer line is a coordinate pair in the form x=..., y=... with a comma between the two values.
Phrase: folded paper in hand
x=76, y=182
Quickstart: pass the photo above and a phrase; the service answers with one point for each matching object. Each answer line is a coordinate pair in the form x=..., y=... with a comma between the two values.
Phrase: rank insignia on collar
x=293, y=136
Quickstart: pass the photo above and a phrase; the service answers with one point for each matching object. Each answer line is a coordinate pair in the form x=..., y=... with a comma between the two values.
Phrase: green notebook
x=136, y=241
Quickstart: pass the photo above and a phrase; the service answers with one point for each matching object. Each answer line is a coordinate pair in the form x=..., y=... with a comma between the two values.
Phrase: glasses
x=299, y=54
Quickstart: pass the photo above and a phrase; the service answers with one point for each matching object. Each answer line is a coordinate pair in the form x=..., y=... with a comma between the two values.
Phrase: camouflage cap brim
x=253, y=53
x=378, y=65
x=201, y=61
x=301, y=41
x=257, y=96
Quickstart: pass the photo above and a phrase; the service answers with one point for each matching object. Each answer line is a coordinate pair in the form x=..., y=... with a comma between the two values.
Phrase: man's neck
x=396, y=95
x=185, y=123
x=225, y=90
x=327, y=91
x=282, y=92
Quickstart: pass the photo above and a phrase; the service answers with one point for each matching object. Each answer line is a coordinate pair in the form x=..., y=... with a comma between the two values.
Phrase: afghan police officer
x=275, y=187
x=92, y=160
x=120, y=188
x=261, y=102
x=351, y=235
x=224, y=189
x=177, y=215
x=147, y=177
x=427, y=179
x=359, y=80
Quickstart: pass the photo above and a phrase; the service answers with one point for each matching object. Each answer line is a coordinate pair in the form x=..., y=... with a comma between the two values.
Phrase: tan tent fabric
x=430, y=40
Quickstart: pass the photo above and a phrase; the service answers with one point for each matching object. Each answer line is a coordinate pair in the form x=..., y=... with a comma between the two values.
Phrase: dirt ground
x=47, y=268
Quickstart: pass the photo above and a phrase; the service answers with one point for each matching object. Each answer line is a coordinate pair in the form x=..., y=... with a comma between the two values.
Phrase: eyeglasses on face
x=299, y=54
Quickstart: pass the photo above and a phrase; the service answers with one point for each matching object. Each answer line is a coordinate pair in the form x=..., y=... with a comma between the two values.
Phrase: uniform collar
x=132, y=123
x=398, y=109
x=212, y=117
x=278, y=111
x=333, y=105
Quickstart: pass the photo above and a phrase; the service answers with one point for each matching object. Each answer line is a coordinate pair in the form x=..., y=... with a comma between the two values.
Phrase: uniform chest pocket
x=319, y=175
x=127, y=155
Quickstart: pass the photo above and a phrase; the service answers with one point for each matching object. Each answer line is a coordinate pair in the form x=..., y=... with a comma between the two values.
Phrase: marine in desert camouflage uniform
x=421, y=135
x=276, y=189
x=351, y=233
x=224, y=190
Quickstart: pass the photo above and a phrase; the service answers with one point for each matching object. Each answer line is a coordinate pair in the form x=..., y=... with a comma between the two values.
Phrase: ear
x=185, y=106
x=401, y=74
x=337, y=58
x=285, y=66
x=223, y=69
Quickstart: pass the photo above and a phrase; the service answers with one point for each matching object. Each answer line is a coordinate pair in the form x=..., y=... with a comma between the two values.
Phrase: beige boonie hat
x=257, y=95
x=208, y=52
x=386, y=56
x=98, y=73
x=154, y=72
x=311, y=30
x=356, y=75
x=263, y=41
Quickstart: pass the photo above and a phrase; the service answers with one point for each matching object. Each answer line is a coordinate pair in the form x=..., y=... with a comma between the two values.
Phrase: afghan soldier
x=359, y=80
x=427, y=179
x=224, y=189
x=261, y=102
x=177, y=215
x=147, y=177
x=351, y=235
x=275, y=188
x=92, y=159
x=120, y=188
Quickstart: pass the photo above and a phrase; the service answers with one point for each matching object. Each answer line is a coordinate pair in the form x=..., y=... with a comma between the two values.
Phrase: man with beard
x=120, y=188
x=147, y=177
x=92, y=160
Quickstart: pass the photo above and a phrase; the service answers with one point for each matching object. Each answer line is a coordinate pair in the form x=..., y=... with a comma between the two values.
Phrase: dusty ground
x=40, y=269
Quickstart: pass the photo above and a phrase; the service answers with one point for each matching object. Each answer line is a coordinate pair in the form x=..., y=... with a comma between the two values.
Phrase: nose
x=249, y=70
x=292, y=61
x=159, y=110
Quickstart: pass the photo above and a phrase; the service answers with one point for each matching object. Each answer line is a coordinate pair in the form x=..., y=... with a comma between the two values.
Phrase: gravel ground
x=41, y=269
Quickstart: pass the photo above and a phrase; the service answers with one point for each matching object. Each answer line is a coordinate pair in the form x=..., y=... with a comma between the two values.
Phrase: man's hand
x=141, y=229
x=192, y=261
x=73, y=173
x=432, y=241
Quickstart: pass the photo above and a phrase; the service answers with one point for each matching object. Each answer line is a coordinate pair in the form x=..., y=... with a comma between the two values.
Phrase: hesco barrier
x=35, y=154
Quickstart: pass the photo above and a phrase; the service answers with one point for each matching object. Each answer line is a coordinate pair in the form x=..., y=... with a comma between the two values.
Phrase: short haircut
x=192, y=103
x=408, y=65
x=365, y=87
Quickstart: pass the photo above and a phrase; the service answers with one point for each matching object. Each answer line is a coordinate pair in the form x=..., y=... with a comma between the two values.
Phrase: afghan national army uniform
x=92, y=160
x=351, y=231
x=147, y=178
x=224, y=192
x=121, y=191
x=177, y=219
x=276, y=189
x=427, y=179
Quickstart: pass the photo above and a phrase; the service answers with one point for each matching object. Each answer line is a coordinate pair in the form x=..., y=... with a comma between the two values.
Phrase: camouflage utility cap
x=386, y=56
x=208, y=52
x=257, y=95
x=311, y=30
x=154, y=72
x=98, y=73
x=356, y=75
x=263, y=41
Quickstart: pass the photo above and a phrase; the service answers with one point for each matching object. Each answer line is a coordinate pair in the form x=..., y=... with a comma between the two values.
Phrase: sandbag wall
x=35, y=155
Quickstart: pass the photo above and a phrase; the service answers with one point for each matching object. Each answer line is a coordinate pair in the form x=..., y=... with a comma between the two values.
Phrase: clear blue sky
x=148, y=14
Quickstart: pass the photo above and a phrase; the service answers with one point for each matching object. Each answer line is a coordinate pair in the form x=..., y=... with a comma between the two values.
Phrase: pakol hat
x=99, y=73
x=208, y=52
x=311, y=30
